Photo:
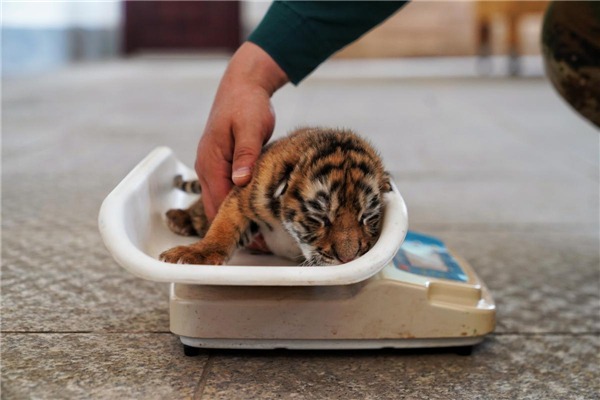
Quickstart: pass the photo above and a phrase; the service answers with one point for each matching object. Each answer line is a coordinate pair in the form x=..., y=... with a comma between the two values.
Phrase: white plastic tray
x=133, y=228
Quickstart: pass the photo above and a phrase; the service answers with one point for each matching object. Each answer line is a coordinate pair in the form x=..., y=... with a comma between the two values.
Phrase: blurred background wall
x=455, y=28
x=41, y=36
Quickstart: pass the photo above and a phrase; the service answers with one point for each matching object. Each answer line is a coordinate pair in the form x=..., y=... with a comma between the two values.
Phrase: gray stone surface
x=505, y=367
x=541, y=281
x=97, y=366
x=56, y=274
x=501, y=200
x=501, y=169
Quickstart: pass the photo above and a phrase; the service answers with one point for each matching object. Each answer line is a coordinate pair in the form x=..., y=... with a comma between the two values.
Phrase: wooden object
x=181, y=25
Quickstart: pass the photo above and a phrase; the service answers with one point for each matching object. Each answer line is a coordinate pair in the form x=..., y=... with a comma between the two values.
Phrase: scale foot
x=464, y=350
x=190, y=351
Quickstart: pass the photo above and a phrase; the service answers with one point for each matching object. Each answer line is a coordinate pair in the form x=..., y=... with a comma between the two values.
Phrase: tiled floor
x=501, y=169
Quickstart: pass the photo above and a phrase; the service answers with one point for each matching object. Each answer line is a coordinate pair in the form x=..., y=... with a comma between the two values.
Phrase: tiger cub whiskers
x=315, y=195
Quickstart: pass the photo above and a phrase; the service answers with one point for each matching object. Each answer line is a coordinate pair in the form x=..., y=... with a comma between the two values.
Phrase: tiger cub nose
x=344, y=255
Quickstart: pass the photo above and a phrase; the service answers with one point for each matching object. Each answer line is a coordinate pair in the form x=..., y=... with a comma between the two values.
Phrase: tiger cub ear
x=282, y=184
x=281, y=188
x=386, y=185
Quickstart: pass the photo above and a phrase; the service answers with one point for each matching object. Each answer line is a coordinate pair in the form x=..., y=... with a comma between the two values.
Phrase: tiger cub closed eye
x=315, y=195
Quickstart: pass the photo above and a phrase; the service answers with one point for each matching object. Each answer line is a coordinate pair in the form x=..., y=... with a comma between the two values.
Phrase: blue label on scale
x=428, y=256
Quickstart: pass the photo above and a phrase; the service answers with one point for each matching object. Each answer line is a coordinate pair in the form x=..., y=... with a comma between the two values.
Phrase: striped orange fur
x=322, y=188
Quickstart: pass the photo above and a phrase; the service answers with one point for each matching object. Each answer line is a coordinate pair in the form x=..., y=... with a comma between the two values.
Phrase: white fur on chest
x=280, y=242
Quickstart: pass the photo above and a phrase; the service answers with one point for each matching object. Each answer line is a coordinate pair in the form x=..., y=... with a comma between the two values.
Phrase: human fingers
x=213, y=166
x=248, y=145
x=249, y=136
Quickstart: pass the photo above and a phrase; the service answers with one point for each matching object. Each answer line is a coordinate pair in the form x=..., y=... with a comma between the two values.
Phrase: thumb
x=247, y=149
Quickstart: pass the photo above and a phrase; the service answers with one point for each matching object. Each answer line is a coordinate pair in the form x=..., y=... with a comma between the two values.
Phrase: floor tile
x=504, y=367
x=492, y=200
x=110, y=366
x=540, y=281
x=446, y=125
x=56, y=273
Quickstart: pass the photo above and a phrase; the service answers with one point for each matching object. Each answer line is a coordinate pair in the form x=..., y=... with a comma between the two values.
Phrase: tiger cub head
x=333, y=204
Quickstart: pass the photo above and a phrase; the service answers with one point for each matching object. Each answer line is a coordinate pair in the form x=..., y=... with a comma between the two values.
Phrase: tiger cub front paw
x=194, y=255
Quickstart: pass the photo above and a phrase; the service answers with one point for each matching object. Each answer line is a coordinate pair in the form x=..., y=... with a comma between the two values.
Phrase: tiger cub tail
x=192, y=220
x=187, y=186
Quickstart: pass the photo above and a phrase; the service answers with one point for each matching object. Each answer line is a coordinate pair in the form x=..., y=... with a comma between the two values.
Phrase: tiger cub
x=315, y=195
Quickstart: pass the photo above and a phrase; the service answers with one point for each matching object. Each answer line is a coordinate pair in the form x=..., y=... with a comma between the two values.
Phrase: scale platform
x=408, y=291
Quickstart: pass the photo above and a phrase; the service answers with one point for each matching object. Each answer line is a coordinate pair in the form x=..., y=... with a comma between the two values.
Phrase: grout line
x=88, y=332
x=551, y=227
x=557, y=333
x=590, y=333
x=199, y=391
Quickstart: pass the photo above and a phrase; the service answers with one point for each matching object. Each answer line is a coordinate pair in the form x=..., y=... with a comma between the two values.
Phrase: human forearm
x=299, y=35
x=251, y=65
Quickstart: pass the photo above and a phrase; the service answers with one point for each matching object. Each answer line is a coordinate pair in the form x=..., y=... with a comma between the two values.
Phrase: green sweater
x=300, y=35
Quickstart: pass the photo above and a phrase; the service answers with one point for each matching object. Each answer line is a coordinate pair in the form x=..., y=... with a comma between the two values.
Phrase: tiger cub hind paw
x=180, y=222
x=193, y=255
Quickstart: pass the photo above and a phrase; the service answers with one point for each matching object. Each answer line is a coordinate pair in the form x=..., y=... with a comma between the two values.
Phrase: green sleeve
x=300, y=35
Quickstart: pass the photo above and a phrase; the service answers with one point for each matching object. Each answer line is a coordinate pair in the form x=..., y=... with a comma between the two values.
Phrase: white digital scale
x=408, y=291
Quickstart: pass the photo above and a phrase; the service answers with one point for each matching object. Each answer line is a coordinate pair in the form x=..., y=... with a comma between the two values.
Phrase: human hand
x=240, y=122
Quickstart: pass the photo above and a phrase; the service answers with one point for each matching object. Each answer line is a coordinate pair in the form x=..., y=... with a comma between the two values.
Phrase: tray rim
x=116, y=239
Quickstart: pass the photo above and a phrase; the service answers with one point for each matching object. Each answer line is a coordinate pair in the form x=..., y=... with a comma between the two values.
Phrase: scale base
x=393, y=309
x=193, y=345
